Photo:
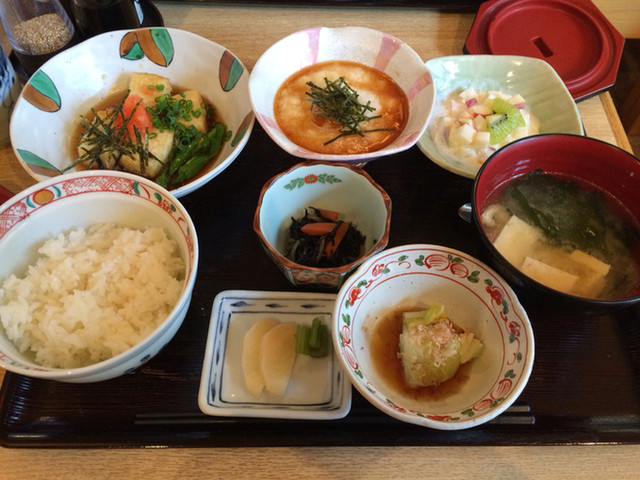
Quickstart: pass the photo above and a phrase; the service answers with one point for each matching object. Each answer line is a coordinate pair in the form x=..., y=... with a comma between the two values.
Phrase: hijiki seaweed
x=332, y=243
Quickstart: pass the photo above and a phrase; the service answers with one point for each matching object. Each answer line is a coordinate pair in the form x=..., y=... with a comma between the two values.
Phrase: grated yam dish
x=92, y=294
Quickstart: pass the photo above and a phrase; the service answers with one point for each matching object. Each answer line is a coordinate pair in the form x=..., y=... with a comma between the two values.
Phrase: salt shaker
x=37, y=30
x=93, y=17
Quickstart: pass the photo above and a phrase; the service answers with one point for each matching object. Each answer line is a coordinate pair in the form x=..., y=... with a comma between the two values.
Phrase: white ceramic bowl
x=358, y=44
x=67, y=86
x=79, y=200
x=343, y=188
x=544, y=91
x=475, y=298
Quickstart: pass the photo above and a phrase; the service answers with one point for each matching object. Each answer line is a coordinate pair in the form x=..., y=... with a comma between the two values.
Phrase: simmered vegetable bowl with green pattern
x=56, y=97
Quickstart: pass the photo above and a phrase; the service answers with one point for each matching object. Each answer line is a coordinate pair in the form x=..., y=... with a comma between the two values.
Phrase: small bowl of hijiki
x=484, y=102
x=348, y=94
x=161, y=103
x=319, y=220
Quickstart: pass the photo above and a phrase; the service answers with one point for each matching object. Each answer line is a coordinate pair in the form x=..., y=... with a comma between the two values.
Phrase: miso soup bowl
x=592, y=163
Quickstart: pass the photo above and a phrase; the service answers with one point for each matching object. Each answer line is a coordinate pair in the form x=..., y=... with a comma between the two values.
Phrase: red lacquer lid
x=574, y=37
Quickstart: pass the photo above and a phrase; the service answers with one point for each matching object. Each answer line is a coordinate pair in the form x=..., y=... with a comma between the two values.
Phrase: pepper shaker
x=37, y=30
x=93, y=17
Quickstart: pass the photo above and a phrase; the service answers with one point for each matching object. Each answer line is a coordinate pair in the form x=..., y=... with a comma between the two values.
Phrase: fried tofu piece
x=149, y=86
x=160, y=146
x=199, y=122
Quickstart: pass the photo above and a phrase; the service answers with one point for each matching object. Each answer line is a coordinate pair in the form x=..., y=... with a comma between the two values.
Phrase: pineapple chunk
x=481, y=109
x=461, y=136
x=517, y=99
x=548, y=275
x=481, y=140
x=468, y=94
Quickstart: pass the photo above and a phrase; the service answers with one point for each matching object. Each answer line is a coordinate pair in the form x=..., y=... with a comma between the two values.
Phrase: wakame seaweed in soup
x=566, y=235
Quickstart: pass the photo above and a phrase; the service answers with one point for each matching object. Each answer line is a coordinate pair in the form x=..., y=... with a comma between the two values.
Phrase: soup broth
x=387, y=363
x=566, y=235
x=154, y=129
x=307, y=127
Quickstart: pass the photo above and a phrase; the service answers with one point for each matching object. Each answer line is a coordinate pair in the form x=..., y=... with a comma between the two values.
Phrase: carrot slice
x=328, y=214
x=332, y=245
x=133, y=109
x=318, y=228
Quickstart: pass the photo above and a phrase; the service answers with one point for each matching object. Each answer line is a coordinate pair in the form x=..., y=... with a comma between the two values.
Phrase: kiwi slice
x=505, y=119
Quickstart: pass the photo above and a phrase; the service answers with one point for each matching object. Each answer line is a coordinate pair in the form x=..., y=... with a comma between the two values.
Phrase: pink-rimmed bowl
x=475, y=298
x=80, y=200
x=373, y=48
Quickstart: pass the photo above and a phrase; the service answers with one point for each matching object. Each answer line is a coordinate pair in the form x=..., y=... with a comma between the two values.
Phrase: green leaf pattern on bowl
x=311, y=179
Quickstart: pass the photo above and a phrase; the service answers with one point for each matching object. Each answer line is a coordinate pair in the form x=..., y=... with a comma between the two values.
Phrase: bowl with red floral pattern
x=295, y=205
x=403, y=318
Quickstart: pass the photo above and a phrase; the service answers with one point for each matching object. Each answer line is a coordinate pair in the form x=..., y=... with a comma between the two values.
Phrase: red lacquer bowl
x=590, y=162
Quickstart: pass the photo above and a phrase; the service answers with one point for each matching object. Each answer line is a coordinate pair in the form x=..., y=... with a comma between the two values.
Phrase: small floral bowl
x=372, y=48
x=475, y=298
x=340, y=187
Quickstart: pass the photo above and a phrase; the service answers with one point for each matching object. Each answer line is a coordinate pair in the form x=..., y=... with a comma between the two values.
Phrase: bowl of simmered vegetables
x=319, y=220
x=347, y=94
x=161, y=103
x=432, y=336
x=559, y=217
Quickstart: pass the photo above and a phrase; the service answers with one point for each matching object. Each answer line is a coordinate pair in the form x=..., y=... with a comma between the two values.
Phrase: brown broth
x=114, y=99
x=384, y=355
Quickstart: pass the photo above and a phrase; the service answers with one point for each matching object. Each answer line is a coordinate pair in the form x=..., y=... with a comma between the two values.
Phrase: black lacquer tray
x=585, y=385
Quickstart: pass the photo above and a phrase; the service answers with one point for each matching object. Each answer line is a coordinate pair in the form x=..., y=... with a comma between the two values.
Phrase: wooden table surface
x=248, y=31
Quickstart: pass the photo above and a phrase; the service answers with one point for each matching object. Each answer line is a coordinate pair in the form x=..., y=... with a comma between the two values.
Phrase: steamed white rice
x=92, y=294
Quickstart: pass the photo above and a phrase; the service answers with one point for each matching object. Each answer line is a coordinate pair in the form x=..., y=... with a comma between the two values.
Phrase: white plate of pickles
x=270, y=355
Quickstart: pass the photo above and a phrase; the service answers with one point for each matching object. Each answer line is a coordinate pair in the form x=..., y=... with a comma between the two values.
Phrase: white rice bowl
x=92, y=294
x=57, y=306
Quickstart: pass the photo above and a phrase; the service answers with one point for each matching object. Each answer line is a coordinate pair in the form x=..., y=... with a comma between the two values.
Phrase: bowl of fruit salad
x=161, y=103
x=484, y=102
x=431, y=336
